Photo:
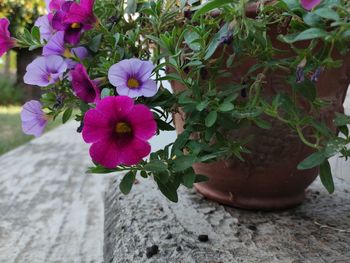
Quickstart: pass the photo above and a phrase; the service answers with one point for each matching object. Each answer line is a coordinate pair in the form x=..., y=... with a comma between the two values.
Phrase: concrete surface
x=316, y=232
x=50, y=210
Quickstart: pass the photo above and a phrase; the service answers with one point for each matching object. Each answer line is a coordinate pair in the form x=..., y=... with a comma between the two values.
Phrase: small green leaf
x=105, y=93
x=168, y=189
x=127, y=182
x=262, y=124
x=67, y=114
x=341, y=119
x=184, y=162
x=327, y=13
x=156, y=166
x=226, y=106
x=211, y=119
x=36, y=33
x=210, y=6
x=311, y=161
x=308, y=34
x=94, y=44
x=202, y=105
x=189, y=178
x=131, y=6
x=326, y=176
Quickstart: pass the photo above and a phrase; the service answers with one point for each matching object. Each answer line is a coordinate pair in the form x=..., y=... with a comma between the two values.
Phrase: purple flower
x=85, y=88
x=44, y=71
x=131, y=77
x=45, y=27
x=118, y=131
x=317, y=74
x=309, y=4
x=6, y=41
x=78, y=53
x=55, y=46
x=33, y=118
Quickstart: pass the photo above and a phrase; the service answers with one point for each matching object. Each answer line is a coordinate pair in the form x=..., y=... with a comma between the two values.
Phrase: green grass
x=11, y=135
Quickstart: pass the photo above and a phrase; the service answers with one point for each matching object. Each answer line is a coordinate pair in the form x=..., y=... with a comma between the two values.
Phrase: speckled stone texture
x=317, y=231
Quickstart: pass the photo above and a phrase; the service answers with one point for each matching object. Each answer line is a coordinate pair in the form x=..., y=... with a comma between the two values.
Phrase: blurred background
x=13, y=92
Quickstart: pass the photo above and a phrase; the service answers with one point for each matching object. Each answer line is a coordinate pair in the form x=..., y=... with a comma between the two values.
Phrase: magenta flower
x=53, y=5
x=33, y=118
x=82, y=14
x=118, y=131
x=131, y=77
x=309, y=4
x=73, y=18
x=44, y=71
x=45, y=27
x=6, y=41
x=84, y=88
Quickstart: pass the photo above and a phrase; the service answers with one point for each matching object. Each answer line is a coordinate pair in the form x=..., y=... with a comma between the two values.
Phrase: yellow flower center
x=49, y=77
x=75, y=26
x=122, y=128
x=133, y=83
x=67, y=53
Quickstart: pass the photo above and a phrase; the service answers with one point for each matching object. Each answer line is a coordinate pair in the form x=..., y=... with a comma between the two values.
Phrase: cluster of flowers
x=118, y=128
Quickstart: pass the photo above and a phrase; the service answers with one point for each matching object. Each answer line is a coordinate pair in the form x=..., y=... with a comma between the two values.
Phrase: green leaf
x=211, y=119
x=311, y=161
x=189, y=178
x=341, y=119
x=131, y=6
x=36, y=33
x=184, y=162
x=327, y=13
x=181, y=141
x=67, y=114
x=127, y=182
x=262, y=124
x=326, y=176
x=202, y=105
x=168, y=189
x=210, y=6
x=156, y=166
x=308, y=34
x=191, y=40
x=226, y=106
x=215, y=42
x=105, y=93
x=94, y=44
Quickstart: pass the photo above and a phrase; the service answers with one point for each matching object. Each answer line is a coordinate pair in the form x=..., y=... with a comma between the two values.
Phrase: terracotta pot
x=269, y=179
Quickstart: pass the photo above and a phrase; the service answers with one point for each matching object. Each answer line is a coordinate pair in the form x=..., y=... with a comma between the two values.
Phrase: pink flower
x=84, y=88
x=82, y=14
x=309, y=4
x=118, y=131
x=33, y=118
x=6, y=41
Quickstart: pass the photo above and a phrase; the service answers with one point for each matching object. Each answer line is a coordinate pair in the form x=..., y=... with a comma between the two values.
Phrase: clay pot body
x=269, y=179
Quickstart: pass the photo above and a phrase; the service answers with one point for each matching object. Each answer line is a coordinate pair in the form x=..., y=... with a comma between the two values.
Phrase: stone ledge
x=317, y=231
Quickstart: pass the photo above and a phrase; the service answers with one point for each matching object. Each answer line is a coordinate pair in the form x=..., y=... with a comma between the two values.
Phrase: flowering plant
x=109, y=60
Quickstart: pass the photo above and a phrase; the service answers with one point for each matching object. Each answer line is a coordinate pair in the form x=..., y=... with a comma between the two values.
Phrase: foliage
x=190, y=44
x=21, y=13
x=10, y=93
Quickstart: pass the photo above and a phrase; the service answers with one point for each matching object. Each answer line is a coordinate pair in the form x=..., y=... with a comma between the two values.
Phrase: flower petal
x=142, y=121
x=149, y=88
x=133, y=152
x=96, y=126
x=105, y=153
